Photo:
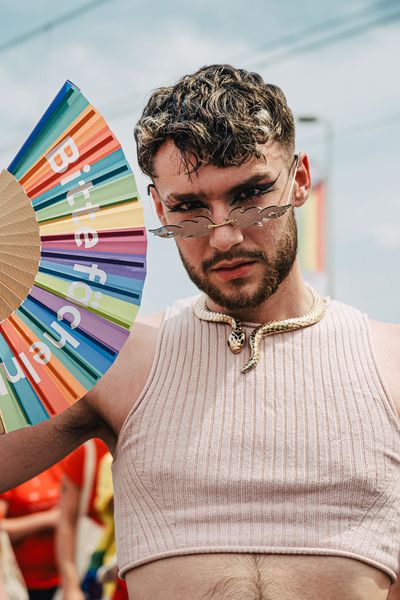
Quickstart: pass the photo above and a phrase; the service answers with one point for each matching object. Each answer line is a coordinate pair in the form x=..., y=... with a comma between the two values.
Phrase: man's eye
x=184, y=207
x=253, y=192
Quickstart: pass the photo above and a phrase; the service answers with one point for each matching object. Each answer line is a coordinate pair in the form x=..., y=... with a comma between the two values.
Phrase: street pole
x=328, y=135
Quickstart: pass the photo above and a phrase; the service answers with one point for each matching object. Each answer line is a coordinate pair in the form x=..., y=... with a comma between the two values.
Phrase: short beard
x=276, y=271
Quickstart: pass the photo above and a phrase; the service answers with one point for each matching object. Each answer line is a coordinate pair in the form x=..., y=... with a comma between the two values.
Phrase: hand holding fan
x=72, y=261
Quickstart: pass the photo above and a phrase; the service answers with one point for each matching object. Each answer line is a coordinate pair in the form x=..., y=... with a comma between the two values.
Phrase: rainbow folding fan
x=72, y=261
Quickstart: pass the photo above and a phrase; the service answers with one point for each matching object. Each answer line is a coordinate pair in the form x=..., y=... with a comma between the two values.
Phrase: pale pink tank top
x=299, y=456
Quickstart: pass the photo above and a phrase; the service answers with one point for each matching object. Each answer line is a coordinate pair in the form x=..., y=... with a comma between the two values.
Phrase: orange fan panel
x=55, y=399
x=88, y=128
x=102, y=148
x=57, y=371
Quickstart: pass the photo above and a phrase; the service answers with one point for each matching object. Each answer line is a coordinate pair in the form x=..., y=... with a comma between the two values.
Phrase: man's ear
x=302, y=186
x=157, y=203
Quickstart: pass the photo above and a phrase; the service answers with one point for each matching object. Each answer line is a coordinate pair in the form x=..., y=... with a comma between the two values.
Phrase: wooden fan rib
x=20, y=251
x=30, y=263
x=13, y=198
x=19, y=281
x=18, y=288
x=8, y=296
x=31, y=238
x=20, y=203
x=5, y=309
x=24, y=227
x=25, y=215
x=5, y=179
x=9, y=189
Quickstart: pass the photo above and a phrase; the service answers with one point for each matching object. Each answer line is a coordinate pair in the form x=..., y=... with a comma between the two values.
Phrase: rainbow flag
x=311, y=224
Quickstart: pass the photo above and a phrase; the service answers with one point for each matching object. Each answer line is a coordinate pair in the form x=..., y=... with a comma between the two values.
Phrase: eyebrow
x=243, y=185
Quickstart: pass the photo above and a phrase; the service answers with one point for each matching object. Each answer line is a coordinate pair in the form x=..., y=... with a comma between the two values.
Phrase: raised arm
x=28, y=451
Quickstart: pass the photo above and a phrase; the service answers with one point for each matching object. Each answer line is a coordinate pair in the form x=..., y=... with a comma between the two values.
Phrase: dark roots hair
x=219, y=115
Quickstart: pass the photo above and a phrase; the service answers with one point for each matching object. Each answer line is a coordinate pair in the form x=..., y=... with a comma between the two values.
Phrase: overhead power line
x=332, y=38
x=41, y=29
x=320, y=27
x=361, y=20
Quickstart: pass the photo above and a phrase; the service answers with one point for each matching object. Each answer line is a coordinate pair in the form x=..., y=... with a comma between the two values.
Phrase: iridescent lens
x=202, y=226
x=246, y=217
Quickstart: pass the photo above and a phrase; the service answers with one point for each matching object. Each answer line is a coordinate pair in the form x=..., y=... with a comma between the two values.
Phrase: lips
x=237, y=269
x=233, y=264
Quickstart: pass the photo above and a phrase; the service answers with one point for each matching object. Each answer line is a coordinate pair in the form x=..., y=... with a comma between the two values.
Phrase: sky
x=336, y=61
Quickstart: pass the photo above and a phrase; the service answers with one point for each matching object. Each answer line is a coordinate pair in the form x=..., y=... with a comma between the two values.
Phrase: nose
x=223, y=237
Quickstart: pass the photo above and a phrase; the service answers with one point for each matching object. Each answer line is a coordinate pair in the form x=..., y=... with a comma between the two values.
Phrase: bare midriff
x=257, y=577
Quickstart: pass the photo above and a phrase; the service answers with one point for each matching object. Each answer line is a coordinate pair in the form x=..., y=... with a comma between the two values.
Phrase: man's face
x=236, y=268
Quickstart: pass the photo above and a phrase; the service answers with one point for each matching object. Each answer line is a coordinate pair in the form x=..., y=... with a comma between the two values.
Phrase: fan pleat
x=122, y=241
x=51, y=395
x=18, y=288
x=110, y=167
x=65, y=108
x=17, y=252
x=77, y=367
x=93, y=357
x=105, y=333
x=104, y=219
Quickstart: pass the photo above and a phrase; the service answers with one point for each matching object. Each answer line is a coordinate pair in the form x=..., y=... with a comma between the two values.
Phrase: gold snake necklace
x=237, y=337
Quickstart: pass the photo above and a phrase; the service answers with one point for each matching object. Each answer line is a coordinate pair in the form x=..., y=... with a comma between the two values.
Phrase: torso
x=257, y=577
x=249, y=576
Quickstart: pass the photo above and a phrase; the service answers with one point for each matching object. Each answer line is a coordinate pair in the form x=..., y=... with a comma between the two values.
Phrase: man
x=268, y=473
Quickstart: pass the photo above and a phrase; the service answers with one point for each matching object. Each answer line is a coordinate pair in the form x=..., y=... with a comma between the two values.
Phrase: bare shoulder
x=118, y=390
x=385, y=338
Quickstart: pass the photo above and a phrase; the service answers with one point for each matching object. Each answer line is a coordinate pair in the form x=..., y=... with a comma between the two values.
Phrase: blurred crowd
x=57, y=532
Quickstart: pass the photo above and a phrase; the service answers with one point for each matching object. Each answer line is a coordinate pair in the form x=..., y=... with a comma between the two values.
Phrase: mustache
x=232, y=255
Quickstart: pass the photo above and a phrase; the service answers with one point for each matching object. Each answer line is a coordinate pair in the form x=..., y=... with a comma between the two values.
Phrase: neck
x=292, y=299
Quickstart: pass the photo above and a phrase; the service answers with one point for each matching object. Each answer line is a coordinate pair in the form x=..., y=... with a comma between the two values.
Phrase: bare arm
x=19, y=528
x=385, y=339
x=26, y=452
x=30, y=450
x=66, y=539
x=3, y=593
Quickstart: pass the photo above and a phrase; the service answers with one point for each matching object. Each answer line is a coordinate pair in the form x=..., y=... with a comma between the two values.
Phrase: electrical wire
x=319, y=27
x=333, y=38
x=45, y=27
x=293, y=47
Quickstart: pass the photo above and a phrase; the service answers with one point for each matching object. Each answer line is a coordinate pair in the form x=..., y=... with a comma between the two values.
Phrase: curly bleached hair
x=219, y=115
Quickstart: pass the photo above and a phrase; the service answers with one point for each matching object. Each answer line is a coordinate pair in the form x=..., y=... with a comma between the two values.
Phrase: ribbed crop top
x=299, y=456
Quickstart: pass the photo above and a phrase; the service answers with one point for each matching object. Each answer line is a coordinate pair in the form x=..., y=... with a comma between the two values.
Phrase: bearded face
x=235, y=294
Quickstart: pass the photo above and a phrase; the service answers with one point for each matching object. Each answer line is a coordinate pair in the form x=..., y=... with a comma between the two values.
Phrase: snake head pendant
x=236, y=341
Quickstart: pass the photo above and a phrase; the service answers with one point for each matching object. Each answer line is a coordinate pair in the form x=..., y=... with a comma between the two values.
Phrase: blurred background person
x=80, y=524
x=29, y=514
x=101, y=579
